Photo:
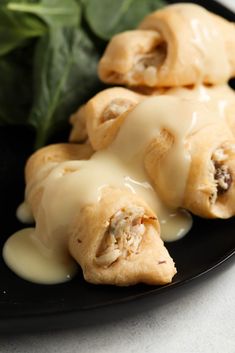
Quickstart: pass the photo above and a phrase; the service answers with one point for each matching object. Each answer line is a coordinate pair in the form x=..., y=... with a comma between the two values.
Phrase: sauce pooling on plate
x=27, y=257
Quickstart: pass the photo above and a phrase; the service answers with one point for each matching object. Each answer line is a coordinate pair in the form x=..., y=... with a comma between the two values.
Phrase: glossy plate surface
x=25, y=306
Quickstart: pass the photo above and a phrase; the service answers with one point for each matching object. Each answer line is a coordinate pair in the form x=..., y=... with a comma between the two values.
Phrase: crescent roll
x=209, y=189
x=181, y=44
x=104, y=114
x=115, y=239
x=210, y=145
x=42, y=162
x=130, y=58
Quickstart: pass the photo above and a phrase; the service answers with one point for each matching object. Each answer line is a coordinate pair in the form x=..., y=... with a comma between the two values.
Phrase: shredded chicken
x=123, y=236
x=147, y=65
x=221, y=174
x=116, y=107
x=222, y=177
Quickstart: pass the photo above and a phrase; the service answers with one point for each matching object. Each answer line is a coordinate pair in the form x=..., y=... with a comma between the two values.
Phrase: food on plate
x=219, y=98
x=200, y=153
x=117, y=241
x=147, y=156
x=111, y=232
x=42, y=162
x=181, y=44
x=196, y=144
x=79, y=129
x=132, y=58
x=103, y=115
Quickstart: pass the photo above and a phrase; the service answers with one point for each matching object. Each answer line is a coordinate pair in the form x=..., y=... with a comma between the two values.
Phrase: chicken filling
x=116, y=107
x=147, y=65
x=123, y=236
x=221, y=174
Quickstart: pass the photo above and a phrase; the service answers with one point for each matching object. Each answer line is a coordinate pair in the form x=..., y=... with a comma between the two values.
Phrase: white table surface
x=197, y=318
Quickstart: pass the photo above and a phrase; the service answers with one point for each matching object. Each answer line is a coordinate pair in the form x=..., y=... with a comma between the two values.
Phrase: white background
x=197, y=318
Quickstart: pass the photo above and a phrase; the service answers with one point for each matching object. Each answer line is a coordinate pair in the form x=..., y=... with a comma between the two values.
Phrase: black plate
x=25, y=306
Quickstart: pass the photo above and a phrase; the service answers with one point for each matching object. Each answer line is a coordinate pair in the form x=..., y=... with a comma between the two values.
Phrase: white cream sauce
x=145, y=123
x=24, y=213
x=220, y=99
x=71, y=185
x=27, y=257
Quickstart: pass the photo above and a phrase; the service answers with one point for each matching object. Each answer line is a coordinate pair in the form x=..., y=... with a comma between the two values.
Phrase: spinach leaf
x=65, y=76
x=107, y=18
x=16, y=87
x=53, y=12
x=16, y=28
x=24, y=19
x=43, y=80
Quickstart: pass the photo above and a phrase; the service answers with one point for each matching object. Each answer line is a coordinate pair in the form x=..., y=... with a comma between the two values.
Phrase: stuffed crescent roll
x=192, y=166
x=116, y=241
x=113, y=235
x=105, y=112
x=42, y=162
x=175, y=46
x=130, y=58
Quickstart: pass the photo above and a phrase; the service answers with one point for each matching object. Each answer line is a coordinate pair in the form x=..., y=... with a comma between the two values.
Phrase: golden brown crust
x=175, y=46
x=78, y=121
x=193, y=32
x=228, y=33
x=102, y=130
x=123, y=52
x=41, y=163
x=55, y=153
x=201, y=195
x=87, y=230
x=152, y=265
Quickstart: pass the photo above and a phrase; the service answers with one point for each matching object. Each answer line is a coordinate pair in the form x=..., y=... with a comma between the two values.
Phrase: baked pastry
x=78, y=121
x=206, y=185
x=198, y=152
x=104, y=114
x=115, y=238
x=117, y=241
x=130, y=58
x=42, y=162
x=100, y=207
x=181, y=44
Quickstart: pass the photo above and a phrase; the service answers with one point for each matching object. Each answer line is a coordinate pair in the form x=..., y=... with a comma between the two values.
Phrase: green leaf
x=53, y=12
x=65, y=76
x=107, y=18
x=16, y=28
x=16, y=87
x=21, y=20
